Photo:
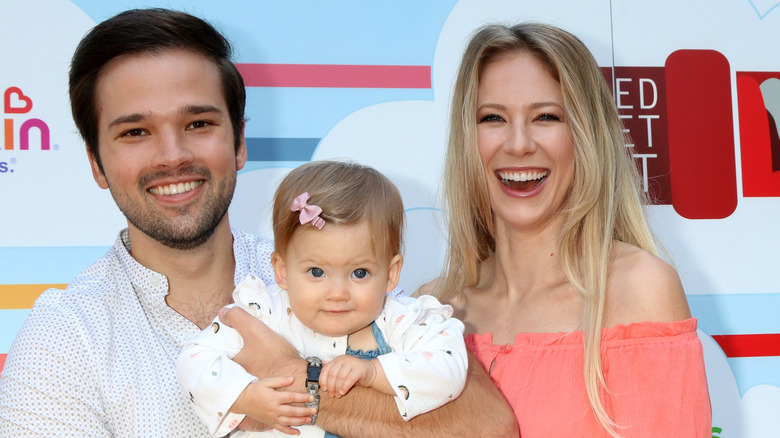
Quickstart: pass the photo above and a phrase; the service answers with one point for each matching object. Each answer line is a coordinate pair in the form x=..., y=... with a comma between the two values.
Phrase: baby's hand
x=342, y=373
x=265, y=402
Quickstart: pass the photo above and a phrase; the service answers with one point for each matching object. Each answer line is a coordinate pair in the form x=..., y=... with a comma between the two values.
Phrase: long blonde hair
x=604, y=202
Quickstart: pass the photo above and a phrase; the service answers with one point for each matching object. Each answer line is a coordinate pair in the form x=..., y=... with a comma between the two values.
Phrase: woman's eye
x=316, y=272
x=360, y=273
x=490, y=118
x=547, y=117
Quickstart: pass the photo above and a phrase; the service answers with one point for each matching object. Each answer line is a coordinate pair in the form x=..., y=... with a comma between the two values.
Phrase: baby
x=337, y=233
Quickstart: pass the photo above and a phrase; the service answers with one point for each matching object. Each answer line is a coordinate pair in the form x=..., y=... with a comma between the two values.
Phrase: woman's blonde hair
x=348, y=193
x=604, y=202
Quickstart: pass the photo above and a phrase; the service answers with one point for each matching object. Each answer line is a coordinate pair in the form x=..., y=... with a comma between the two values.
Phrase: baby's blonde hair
x=348, y=193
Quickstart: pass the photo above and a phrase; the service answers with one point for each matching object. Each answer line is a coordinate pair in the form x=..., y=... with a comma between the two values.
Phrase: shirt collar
x=154, y=283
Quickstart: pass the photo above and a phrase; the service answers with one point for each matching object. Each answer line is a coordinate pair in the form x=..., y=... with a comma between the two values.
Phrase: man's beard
x=187, y=230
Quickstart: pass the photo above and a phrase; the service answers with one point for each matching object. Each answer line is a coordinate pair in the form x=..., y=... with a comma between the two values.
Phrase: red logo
x=680, y=118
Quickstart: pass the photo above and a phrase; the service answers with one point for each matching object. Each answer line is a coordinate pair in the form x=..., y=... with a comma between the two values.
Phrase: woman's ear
x=280, y=271
x=394, y=271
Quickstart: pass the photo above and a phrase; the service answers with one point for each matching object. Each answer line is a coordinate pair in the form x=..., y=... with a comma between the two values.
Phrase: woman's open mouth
x=522, y=181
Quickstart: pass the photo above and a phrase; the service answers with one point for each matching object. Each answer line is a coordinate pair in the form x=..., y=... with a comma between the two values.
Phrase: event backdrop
x=697, y=83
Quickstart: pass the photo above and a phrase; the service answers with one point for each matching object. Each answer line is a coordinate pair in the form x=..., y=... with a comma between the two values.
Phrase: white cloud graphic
x=54, y=200
x=406, y=140
x=759, y=409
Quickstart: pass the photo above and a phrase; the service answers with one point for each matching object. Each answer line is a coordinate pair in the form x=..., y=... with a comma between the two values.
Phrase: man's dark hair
x=152, y=31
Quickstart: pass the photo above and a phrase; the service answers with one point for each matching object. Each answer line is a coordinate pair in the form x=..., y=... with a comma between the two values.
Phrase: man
x=161, y=109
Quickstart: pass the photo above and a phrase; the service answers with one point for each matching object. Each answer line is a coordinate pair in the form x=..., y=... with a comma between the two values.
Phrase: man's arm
x=47, y=387
x=479, y=411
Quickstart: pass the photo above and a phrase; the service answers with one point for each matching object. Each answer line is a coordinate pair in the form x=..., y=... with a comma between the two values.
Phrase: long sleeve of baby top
x=429, y=362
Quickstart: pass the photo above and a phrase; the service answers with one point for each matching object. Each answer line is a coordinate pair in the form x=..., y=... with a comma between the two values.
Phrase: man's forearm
x=479, y=411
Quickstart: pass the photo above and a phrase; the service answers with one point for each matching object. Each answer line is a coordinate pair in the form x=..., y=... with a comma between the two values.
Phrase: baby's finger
x=296, y=412
x=294, y=421
x=277, y=382
x=287, y=429
x=323, y=379
x=290, y=397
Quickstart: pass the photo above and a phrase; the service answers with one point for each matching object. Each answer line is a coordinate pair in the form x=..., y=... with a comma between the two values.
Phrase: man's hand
x=265, y=353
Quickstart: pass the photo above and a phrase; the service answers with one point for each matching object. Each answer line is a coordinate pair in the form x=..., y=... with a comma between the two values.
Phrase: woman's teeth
x=522, y=180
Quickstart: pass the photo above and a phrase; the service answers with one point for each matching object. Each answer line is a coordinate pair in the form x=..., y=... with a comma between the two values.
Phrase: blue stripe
x=731, y=314
x=343, y=32
x=43, y=265
x=281, y=149
x=752, y=371
x=10, y=322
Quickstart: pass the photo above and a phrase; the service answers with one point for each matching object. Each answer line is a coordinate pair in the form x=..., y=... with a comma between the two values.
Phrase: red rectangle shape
x=335, y=76
x=753, y=345
x=2, y=363
x=701, y=134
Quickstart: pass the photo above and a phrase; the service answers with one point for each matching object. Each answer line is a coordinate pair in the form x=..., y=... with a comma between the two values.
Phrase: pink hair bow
x=309, y=213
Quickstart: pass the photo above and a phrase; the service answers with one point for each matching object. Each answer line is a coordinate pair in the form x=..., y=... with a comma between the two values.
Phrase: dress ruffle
x=643, y=332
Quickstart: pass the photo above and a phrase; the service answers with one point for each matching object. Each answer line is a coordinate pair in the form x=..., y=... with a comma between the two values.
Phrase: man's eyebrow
x=129, y=118
x=189, y=109
x=200, y=109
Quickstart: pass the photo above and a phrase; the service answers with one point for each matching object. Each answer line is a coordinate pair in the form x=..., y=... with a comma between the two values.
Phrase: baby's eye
x=360, y=273
x=316, y=272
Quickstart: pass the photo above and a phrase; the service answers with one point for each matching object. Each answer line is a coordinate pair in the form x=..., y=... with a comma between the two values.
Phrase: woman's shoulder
x=456, y=300
x=643, y=287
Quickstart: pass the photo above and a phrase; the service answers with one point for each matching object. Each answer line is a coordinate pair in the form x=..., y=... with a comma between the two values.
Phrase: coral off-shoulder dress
x=654, y=372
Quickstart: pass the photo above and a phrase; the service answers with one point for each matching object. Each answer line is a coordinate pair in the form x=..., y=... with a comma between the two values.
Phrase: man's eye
x=316, y=272
x=198, y=124
x=360, y=273
x=134, y=133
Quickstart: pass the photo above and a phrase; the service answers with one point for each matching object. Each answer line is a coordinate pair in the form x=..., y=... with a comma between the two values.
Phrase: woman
x=551, y=264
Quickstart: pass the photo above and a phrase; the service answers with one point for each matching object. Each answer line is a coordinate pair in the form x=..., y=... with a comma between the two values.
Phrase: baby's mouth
x=522, y=181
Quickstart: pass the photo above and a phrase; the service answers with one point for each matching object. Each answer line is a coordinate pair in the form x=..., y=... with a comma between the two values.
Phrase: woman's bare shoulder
x=457, y=300
x=428, y=288
x=642, y=287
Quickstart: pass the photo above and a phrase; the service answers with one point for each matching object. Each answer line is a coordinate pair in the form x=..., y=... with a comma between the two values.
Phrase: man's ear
x=280, y=271
x=394, y=271
x=241, y=154
x=100, y=177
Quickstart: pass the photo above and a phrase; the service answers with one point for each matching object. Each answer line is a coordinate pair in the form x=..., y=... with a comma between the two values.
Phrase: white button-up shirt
x=99, y=358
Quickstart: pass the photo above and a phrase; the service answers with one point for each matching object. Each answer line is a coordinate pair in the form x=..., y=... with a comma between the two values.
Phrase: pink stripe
x=336, y=76
x=2, y=362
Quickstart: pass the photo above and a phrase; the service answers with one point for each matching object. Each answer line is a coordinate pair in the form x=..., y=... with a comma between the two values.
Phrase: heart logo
x=763, y=7
x=15, y=102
